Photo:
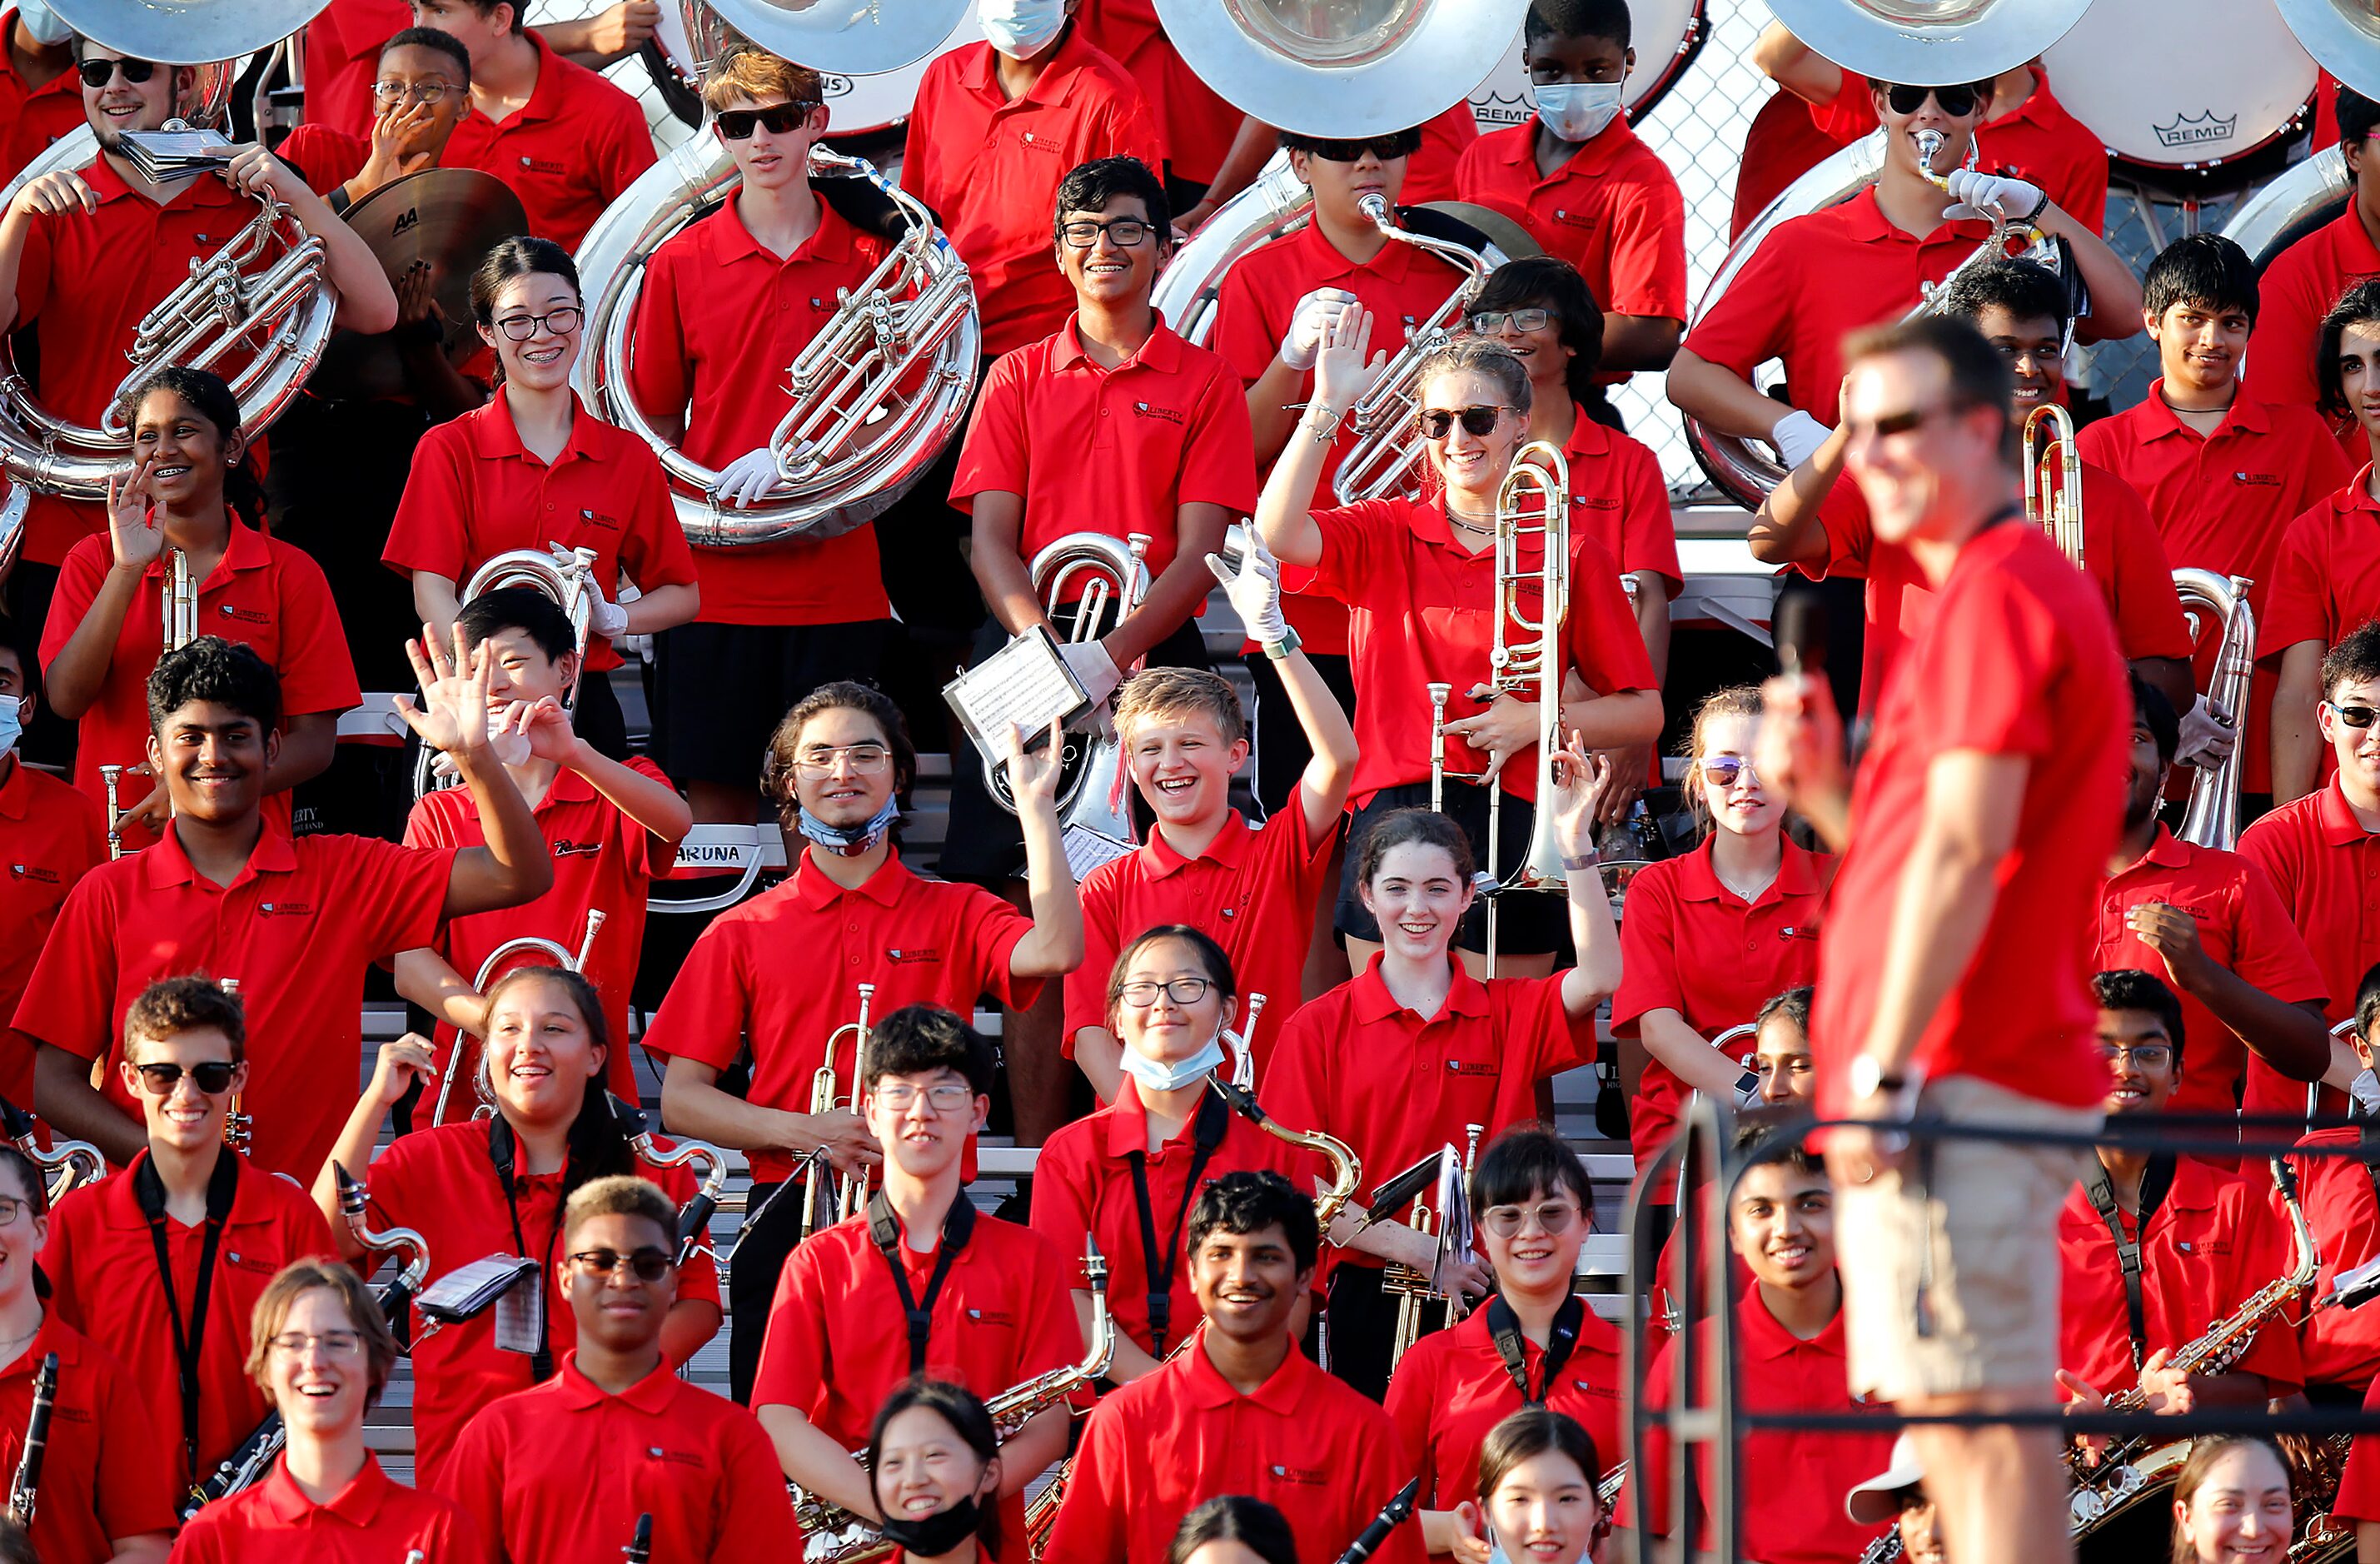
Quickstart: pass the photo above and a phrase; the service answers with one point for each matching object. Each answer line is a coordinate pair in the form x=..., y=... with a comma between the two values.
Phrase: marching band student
x=2233, y=1501
x=193, y=492
x=727, y=304
x=343, y=44
x=502, y=1187
x=186, y=1205
x=2223, y=471
x=611, y=826
x=2249, y=993
x=1399, y=1060
x=778, y=973
x=324, y=1355
x=1234, y=1529
x=2340, y=1347
x=1536, y=1490
x=40, y=97
x=565, y=140
x=50, y=836
x=1780, y=1049
x=934, y=1458
x=296, y=921
x=694, y=1461
x=1534, y=1345
x=1816, y=520
x=533, y=470
x=103, y=1495
x=1790, y=1325
x=420, y=91
x=1897, y=1494
x=1589, y=191
x=918, y=1283
x=1712, y=936
x=1240, y=1410
x=1253, y=892
x=993, y=132
x=2302, y=282
x=1419, y=579
x=2204, y=1240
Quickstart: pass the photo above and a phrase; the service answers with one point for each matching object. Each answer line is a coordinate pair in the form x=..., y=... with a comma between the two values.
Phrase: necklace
x=1468, y=520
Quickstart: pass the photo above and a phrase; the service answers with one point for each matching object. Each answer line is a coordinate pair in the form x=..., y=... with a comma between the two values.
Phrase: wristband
x=1279, y=650
x=1324, y=429
x=1586, y=860
x=2038, y=208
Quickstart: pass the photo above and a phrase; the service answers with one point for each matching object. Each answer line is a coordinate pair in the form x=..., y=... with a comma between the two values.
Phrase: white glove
x=604, y=617
x=1254, y=587
x=1314, y=312
x=1797, y=437
x=748, y=480
x=2206, y=739
x=1093, y=669
x=1976, y=194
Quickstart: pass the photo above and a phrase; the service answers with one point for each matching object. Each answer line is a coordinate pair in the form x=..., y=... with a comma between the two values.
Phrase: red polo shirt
x=568, y=153
x=1612, y=210
x=1619, y=499
x=1252, y=891
x=2241, y=926
x=781, y=971
x=1681, y=916
x=1421, y=610
x=2038, y=141
x=2326, y=869
x=1793, y=1481
x=1783, y=143
x=298, y=927
x=718, y=320
x=1814, y=281
x=2222, y=503
x=2327, y=580
x=50, y=837
x=2296, y=291
x=838, y=1337
x=1396, y=1087
x=2339, y=1346
x=990, y=166
x=1305, y=1444
x=602, y=859
x=2018, y=659
x=1083, y=1185
x=2211, y=1243
x=1450, y=1389
x=107, y=268
x=365, y=1522
x=443, y=1183
x=101, y=1477
x=564, y=1469
x=342, y=49
x=1400, y=285
x=263, y=593
x=1194, y=126
x=324, y=158
x=1432, y=174
x=32, y=117
x=102, y=1271
x=1166, y=428
x=2121, y=553
x=475, y=492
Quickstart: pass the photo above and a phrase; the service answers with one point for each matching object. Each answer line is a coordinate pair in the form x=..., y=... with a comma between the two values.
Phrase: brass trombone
x=2053, y=479
x=2211, y=818
x=850, y=1190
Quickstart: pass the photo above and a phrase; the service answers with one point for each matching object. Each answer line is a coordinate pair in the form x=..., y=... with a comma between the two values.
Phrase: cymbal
x=447, y=219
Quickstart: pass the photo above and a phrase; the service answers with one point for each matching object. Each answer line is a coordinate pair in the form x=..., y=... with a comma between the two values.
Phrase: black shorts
x=1530, y=923
x=719, y=690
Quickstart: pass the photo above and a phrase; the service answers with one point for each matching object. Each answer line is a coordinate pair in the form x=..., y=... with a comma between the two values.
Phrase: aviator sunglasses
x=1478, y=422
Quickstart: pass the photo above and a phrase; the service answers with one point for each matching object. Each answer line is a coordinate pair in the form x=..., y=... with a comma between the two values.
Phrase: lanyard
x=884, y=1227
x=149, y=1189
x=1504, y=1329
x=1214, y=1115
x=2101, y=1190
x=501, y=1146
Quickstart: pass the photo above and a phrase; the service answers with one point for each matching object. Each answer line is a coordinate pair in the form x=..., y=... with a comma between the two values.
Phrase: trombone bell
x=2053, y=479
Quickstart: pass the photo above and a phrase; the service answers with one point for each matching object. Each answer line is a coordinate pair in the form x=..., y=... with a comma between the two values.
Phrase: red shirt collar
x=16, y=792
x=245, y=549
x=1766, y=1338
x=816, y=891
x=495, y=437
x=830, y=241
x=166, y=864
x=55, y=1336
x=2167, y=851
x=2337, y=821
x=2245, y=414
x=1325, y=262
x=1230, y=849
x=1372, y=1002
x=1797, y=875
x=1863, y=220
x=356, y=1504
x=1162, y=352
x=2348, y=229
x=545, y=98
x=121, y=1209
x=1056, y=80
x=2356, y=496
x=1127, y=1124
x=1282, y=1395
x=651, y=1395
x=1520, y=150
x=1587, y=438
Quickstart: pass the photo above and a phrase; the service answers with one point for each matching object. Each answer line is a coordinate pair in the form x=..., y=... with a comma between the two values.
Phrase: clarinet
x=640, y=1546
x=27, y=1484
x=1392, y=1514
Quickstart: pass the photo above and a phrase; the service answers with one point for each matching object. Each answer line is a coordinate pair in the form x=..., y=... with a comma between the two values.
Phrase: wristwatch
x=1867, y=1078
x=1281, y=649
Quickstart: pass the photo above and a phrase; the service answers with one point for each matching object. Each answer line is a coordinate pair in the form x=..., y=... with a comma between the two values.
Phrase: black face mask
x=930, y=1536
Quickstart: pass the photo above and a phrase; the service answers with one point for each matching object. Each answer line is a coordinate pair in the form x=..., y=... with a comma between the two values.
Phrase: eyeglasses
x=330, y=1343
x=1492, y=321
x=650, y=1265
x=561, y=323
x=1478, y=422
x=2358, y=717
x=1553, y=1217
x=1956, y=101
x=736, y=125
x=11, y=1208
x=427, y=93
x=1122, y=232
x=2149, y=1055
x=1181, y=991
x=899, y=1097
x=96, y=74
x=214, y=1077
x=1722, y=769
x=1897, y=423
x=1402, y=143
x=862, y=760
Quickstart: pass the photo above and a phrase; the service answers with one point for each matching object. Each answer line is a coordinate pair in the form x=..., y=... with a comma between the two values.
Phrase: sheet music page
x=1025, y=683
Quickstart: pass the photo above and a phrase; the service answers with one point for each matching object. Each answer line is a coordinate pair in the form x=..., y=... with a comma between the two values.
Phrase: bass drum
x=2179, y=117
x=1669, y=34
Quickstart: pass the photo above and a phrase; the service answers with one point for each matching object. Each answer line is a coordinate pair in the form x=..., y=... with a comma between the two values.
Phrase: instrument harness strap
x=884, y=1229
x=1214, y=1117
x=2154, y=1183
x=149, y=1189
x=1504, y=1329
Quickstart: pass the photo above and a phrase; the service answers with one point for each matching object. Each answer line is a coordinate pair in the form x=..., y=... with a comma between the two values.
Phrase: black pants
x=1364, y=1327
x=772, y=1229
x=1281, y=751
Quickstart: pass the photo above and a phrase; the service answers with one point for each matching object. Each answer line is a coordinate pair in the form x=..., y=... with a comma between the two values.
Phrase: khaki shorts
x=1986, y=1215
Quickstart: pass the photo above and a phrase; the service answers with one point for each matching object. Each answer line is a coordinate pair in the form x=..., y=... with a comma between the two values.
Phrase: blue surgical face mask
x=1173, y=1075
x=1578, y=110
x=1022, y=29
x=849, y=840
x=12, y=722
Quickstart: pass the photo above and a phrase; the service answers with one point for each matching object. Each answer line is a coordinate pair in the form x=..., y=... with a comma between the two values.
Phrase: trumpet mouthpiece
x=1376, y=207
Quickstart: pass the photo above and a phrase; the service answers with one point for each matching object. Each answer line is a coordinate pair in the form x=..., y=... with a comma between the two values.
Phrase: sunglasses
x=96, y=74
x=2355, y=716
x=1478, y=422
x=1722, y=769
x=1956, y=101
x=214, y=1077
x=650, y=1265
x=1507, y=1221
x=737, y=125
x=1402, y=143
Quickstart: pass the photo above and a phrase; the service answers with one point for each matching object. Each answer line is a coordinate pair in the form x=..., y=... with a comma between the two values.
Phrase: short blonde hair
x=751, y=75
x=1176, y=692
x=281, y=1295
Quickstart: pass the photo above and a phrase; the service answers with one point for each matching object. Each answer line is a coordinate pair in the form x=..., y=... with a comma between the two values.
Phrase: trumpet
x=25, y=1487
x=2211, y=818
x=180, y=609
x=849, y=1195
x=2054, y=507
x=1451, y=1224
x=526, y=944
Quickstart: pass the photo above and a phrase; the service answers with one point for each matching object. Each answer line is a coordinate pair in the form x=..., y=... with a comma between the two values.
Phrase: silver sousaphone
x=2344, y=38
